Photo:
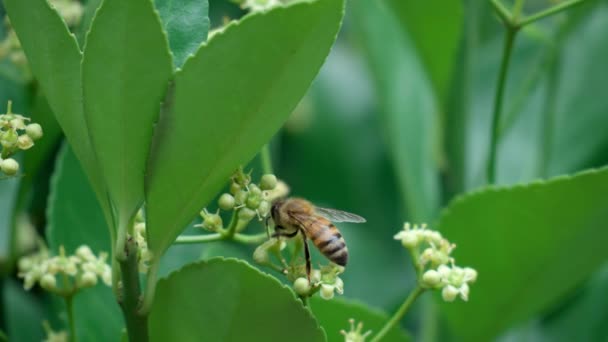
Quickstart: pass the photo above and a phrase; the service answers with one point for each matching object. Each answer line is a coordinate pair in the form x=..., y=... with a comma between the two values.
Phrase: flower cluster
x=355, y=334
x=81, y=270
x=144, y=255
x=324, y=280
x=15, y=134
x=246, y=199
x=437, y=269
x=70, y=10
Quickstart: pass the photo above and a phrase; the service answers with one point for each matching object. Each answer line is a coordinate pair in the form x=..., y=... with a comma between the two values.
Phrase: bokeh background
x=395, y=126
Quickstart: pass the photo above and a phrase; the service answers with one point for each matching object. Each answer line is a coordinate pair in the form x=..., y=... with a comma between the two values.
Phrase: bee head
x=274, y=211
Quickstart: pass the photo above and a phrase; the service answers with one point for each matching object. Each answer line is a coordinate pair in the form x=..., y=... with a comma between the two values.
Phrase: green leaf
x=410, y=111
x=125, y=71
x=515, y=238
x=228, y=300
x=225, y=107
x=186, y=24
x=54, y=58
x=435, y=28
x=23, y=314
x=75, y=218
x=334, y=315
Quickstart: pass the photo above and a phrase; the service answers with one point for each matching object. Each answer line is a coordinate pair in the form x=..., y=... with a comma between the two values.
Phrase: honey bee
x=296, y=215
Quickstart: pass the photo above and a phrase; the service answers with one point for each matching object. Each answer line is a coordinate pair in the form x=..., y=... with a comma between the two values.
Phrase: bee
x=296, y=215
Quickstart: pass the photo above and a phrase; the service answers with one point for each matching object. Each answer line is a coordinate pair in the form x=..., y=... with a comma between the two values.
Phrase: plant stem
x=146, y=304
x=70, y=310
x=548, y=12
x=137, y=324
x=517, y=8
x=191, y=239
x=502, y=11
x=498, y=99
x=266, y=158
x=250, y=239
x=403, y=309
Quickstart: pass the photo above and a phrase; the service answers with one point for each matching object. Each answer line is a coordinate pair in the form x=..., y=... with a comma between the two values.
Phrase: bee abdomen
x=332, y=245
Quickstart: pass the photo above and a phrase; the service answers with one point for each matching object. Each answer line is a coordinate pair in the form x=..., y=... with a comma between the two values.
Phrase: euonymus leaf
x=22, y=313
x=54, y=58
x=334, y=316
x=228, y=300
x=75, y=218
x=125, y=71
x=435, y=28
x=409, y=107
x=186, y=23
x=530, y=244
x=227, y=102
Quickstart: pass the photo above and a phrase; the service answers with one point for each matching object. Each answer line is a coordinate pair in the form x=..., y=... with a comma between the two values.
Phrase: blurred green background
x=395, y=126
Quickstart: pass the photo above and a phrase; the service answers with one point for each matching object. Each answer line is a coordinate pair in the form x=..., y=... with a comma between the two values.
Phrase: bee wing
x=339, y=215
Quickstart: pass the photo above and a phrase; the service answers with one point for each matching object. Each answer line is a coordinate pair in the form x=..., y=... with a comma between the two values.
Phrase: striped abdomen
x=327, y=238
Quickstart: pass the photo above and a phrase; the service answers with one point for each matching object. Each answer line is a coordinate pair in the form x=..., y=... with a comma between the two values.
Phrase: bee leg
x=307, y=254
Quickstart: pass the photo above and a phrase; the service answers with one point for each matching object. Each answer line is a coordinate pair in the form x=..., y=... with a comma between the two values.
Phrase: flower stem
x=403, y=309
x=498, y=99
x=192, y=239
x=70, y=310
x=266, y=158
x=550, y=11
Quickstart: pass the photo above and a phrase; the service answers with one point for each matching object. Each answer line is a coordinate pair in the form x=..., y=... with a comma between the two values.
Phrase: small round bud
x=25, y=264
x=48, y=282
x=9, y=166
x=85, y=253
x=327, y=291
x=253, y=189
x=301, y=286
x=34, y=131
x=246, y=214
x=88, y=279
x=234, y=188
x=240, y=197
x=226, y=202
x=449, y=293
x=410, y=239
x=431, y=278
x=470, y=275
x=24, y=142
x=264, y=208
x=268, y=182
x=253, y=201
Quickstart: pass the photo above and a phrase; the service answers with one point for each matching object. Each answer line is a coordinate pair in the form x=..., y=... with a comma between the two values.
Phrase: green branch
x=549, y=12
x=70, y=311
x=403, y=309
x=137, y=324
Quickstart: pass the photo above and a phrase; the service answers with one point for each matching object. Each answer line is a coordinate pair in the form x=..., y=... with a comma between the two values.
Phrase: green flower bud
x=255, y=190
x=9, y=139
x=268, y=182
x=240, y=197
x=234, y=188
x=24, y=142
x=212, y=222
x=9, y=166
x=301, y=286
x=246, y=214
x=48, y=282
x=253, y=201
x=226, y=202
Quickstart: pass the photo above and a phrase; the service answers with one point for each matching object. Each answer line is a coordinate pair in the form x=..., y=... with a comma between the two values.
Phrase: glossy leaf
x=54, y=58
x=186, y=24
x=228, y=300
x=75, y=218
x=225, y=107
x=125, y=71
x=334, y=316
x=408, y=106
x=435, y=27
x=22, y=313
x=516, y=239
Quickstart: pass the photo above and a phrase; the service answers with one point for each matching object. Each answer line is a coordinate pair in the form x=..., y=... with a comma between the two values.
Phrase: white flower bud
x=464, y=292
x=449, y=293
x=9, y=166
x=88, y=279
x=410, y=239
x=327, y=291
x=260, y=255
x=85, y=253
x=24, y=142
x=339, y=285
x=25, y=264
x=431, y=278
x=268, y=182
x=226, y=202
x=34, y=131
x=315, y=276
x=301, y=286
x=106, y=276
x=264, y=208
x=470, y=275
x=17, y=123
x=48, y=282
